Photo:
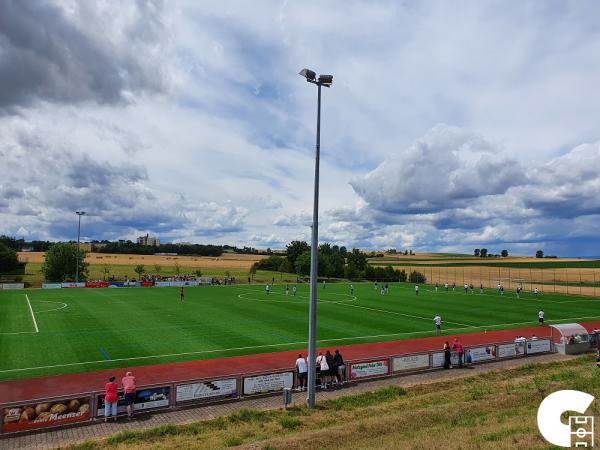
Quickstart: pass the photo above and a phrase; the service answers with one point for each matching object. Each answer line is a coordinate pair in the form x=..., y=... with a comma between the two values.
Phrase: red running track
x=64, y=385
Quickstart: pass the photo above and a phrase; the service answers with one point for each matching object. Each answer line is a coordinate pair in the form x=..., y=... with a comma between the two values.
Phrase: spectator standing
x=339, y=363
x=129, y=389
x=447, y=355
x=302, y=369
x=323, y=370
x=458, y=348
x=111, y=398
x=332, y=368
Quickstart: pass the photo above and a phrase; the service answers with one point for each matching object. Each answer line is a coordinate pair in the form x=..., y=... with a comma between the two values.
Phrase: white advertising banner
x=437, y=359
x=51, y=286
x=369, y=369
x=261, y=384
x=162, y=283
x=509, y=350
x=72, y=285
x=204, y=390
x=538, y=346
x=481, y=353
x=410, y=362
x=13, y=286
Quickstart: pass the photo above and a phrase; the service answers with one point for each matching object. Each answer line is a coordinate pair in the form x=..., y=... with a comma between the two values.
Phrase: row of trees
x=483, y=253
x=129, y=247
x=334, y=262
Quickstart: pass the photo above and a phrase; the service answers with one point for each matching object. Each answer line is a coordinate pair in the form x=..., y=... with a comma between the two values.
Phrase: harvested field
x=226, y=261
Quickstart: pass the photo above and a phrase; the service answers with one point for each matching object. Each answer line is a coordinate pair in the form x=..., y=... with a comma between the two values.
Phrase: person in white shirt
x=302, y=369
x=267, y=289
x=417, y=289
x=322, y=364
x=536, y=292
x=294, y=291
x=446, y=286
x=438, y=323
x=541, y=317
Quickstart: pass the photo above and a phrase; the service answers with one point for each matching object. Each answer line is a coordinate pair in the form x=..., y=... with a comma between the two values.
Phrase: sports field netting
x=45, y=332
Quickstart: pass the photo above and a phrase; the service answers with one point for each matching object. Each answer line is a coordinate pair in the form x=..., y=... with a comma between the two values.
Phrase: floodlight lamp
x=326, y=79
x=308, y=74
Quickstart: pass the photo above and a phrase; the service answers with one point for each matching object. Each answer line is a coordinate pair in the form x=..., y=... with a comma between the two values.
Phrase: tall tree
x=294, y=250
x=539, y=254
x=483, y=253
x=8, y=258
x=61, y=263
x=357, y=259
x=504, y=253
x=476, y=252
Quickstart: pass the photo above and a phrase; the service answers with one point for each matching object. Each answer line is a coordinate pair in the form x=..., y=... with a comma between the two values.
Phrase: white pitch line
x=408, y=333
x=64, y=305
x=402, y=314
x=37, y=330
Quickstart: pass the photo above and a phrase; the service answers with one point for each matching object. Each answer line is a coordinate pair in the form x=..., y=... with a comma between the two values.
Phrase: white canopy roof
x=569, y=329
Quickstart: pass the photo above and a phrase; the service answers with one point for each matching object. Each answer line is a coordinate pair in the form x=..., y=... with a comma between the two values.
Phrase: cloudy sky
x=450, y=125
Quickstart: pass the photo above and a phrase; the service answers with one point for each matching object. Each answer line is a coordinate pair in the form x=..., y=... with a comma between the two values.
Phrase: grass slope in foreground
x=489, y=411
x=89, y=329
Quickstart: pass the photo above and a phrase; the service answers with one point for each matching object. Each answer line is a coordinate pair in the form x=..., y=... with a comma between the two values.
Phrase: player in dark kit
x=181, y=294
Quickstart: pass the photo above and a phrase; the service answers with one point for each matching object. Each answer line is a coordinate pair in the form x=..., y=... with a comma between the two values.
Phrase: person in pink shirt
x=110, y=399
x=129, y=389
x=458, y=348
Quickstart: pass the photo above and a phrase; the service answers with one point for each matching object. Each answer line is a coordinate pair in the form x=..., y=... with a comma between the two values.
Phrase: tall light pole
x=323, y=80
x=79, y=214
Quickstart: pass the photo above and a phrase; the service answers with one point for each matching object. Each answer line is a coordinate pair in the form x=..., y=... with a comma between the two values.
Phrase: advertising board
x=162, y=283
x=147, y=283
x=206, y=390
x=72, y=285
x=96, y=284
x=410, y=362
x=13, y=286
x=437, y=359
x=369, y=369
x=147, y=398
x=538, y=346
x=32, y=416
x=507, y=350
x=51, y=286
x=261, y=384
x=479, y=354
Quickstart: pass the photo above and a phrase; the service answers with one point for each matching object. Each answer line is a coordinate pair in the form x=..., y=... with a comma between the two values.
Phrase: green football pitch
x=47, y=332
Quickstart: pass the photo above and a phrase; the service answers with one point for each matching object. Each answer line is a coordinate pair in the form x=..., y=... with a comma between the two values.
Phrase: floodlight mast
x=323, y=80
x=79, y=214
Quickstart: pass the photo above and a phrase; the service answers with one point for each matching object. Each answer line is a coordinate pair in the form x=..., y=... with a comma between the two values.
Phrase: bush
x=417, y=277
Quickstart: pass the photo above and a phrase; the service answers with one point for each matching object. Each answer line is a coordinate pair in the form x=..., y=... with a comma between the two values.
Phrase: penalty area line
x=37, y=330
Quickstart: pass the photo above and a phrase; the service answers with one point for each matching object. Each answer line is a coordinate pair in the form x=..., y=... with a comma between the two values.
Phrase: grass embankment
x=492, y=410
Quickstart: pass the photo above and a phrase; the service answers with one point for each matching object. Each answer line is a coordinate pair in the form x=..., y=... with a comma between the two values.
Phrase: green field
x=44, y=332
